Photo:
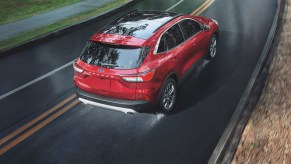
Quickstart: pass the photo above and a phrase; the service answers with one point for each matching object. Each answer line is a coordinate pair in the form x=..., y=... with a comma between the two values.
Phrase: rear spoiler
x=118, y=39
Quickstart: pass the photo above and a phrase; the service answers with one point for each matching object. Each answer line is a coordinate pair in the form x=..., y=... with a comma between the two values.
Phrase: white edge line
x=35, y=80
x=174, y=5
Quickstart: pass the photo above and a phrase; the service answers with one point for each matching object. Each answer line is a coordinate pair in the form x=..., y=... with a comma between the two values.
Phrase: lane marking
x=200, y=7
x=35, y=80
x=174, y=5
x=205, y=7
x=40, y=117
x=36, y=128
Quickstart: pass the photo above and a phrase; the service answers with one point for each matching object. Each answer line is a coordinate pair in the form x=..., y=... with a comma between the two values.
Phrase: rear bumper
x=125, y=106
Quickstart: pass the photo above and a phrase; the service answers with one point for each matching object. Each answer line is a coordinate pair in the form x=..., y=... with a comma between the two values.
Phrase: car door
x=194, y=47
x=169, y=49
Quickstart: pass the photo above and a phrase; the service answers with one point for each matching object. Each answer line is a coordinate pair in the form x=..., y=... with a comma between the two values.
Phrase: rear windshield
x=111, y=56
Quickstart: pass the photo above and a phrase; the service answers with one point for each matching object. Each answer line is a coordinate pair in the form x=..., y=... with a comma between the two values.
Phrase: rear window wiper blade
x=109, y=65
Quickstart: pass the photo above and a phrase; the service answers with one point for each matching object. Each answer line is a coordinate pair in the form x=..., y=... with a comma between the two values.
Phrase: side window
x=162, y=46
x=171, y=39
x=190, y=27
x=174, y=36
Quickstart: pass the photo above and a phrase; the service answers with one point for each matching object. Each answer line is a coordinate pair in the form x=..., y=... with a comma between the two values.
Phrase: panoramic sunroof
x=139, y=24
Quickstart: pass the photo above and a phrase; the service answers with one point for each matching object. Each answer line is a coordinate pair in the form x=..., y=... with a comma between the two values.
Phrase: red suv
x=138, y=60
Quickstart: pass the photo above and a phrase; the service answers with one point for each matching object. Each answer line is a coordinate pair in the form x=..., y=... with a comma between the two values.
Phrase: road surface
x=87, y=134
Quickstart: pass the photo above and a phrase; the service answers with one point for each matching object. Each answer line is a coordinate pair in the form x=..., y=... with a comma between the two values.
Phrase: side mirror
x=205, y=28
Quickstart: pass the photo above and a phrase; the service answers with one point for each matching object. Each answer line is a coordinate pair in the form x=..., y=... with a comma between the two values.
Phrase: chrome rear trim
x=110, y=107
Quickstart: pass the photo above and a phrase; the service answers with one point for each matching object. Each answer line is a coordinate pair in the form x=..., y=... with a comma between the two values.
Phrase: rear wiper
x=109, y=65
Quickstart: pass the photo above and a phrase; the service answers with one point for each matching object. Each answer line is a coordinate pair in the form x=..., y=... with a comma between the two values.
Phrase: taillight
x=142, y=77
x=77, y=68
x=129, y=78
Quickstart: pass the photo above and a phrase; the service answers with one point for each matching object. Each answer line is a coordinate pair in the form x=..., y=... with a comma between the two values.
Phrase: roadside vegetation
x=12, y=10
x=267, y=136
x=24, y=37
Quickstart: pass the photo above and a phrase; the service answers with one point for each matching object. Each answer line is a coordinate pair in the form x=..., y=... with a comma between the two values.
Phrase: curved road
x=84, y=134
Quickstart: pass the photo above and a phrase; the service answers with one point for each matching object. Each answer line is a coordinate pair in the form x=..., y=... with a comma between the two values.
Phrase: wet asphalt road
x=86, y=134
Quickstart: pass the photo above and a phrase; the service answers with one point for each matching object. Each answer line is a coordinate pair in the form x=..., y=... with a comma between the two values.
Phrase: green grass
x=12, y=10
x=58, y=25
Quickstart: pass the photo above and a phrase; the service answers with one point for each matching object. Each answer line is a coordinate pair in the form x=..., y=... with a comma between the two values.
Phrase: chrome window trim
x=158, y=42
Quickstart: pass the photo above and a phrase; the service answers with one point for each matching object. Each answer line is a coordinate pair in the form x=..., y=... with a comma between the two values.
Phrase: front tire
x=212, y=47
x=168, y=96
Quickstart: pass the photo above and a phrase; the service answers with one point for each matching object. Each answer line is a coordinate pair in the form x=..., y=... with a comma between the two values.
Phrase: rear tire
x=168, y=96
x=212, y=47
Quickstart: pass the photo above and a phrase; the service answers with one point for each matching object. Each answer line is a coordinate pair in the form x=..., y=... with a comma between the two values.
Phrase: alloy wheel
x=213, y=47
x=169, y=96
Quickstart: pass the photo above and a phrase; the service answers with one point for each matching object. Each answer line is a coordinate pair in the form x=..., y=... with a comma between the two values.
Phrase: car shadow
x=209, y=76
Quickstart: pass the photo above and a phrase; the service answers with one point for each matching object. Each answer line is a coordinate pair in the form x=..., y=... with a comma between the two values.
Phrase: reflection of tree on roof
x=146, y=15
x=139, y=24
x=123, y=29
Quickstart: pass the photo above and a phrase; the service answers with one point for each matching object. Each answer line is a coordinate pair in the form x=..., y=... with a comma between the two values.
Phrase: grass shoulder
x=30, y=35
x=13, y=10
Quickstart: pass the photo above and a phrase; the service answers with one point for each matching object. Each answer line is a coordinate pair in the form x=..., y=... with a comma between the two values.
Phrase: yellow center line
x=40, y=117
x=195, y=11
x=205, y=7
x=37, y=127
x=202, y=7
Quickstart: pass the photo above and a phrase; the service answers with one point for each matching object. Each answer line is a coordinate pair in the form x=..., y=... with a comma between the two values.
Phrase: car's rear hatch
x=103, y=66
